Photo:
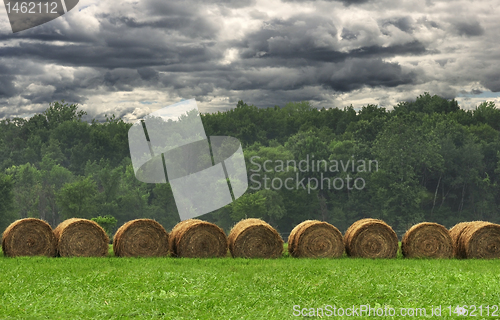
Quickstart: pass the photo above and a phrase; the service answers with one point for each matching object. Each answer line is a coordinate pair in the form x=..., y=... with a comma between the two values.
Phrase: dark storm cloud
x=182, y=17
x=288, y=37
x=404, y=23
x=357, y=73
x=410, y=48
x=345, y=76
x=227, y=50
x=148, y=74
x=48, y=89
x=175, y=48
x=424, y=21
x=44, y=98
x=348, y=34
x=121, y=79
x=295, y=39
x=469, y=29
x=47, y=32
x=10, y=69
x=7, y=87
x=173, y=32
x=112, y=80
x=191, y=27
x=115, y=54
x=492, y=81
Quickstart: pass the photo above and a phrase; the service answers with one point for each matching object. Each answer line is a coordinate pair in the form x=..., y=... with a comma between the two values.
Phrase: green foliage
x=108, y=223
x=251, y=205
x=76, y=199
x=59, y=112
x=7, y=213
x=431, y=161
x=162, y=206
x=27, y=189
x=427, y=104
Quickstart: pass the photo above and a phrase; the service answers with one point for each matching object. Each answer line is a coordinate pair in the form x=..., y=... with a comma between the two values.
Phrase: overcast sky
x=133, y=57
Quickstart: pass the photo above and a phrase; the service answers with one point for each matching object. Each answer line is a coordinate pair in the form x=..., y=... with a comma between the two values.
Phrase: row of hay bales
x=251, y=238
x=72, y=237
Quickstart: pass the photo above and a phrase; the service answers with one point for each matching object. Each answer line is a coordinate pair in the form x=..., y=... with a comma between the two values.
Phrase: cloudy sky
x=133, y=57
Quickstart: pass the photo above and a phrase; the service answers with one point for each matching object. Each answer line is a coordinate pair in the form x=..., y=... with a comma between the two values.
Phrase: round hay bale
x=480, y=240
x=427, y=240
x=141, y=238
x=315, y=239
x=371, y=238
x=254, y=238
x=29, y=237
x=81, y=238
x=455, y=233
x=194, y=238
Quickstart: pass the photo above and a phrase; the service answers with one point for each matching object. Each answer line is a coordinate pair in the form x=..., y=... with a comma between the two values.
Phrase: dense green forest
x=430, y=161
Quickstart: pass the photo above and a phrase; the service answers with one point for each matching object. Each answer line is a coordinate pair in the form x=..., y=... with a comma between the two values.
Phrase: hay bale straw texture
x=371, y=238
x=81, y=238
x=455, y=233
x=254, y=238
x=315, y=239
x=479, y=240
x=29, y=237
x=194, y=238
x=141, y=238
x=427, y=240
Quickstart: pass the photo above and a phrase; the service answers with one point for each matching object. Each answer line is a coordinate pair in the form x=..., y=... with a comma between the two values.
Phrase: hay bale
x=141, y=238
x=455, y=233
x=254, y=238
x=315, y=239
x=371, y=238
x=427, y=240
x=480, y=239
x=81, y=238
x=194, y=238
x=29, y=237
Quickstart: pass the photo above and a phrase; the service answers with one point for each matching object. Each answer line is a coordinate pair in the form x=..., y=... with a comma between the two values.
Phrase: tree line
x=430, y=161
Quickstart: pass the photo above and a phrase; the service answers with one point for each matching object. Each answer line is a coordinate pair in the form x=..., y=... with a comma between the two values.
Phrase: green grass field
x=177, y=288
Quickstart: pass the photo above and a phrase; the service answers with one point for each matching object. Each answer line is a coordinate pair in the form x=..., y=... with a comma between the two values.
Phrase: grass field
x=173, y=288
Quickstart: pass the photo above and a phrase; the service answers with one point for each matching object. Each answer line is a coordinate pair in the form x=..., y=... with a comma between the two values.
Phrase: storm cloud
x=131, y=58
